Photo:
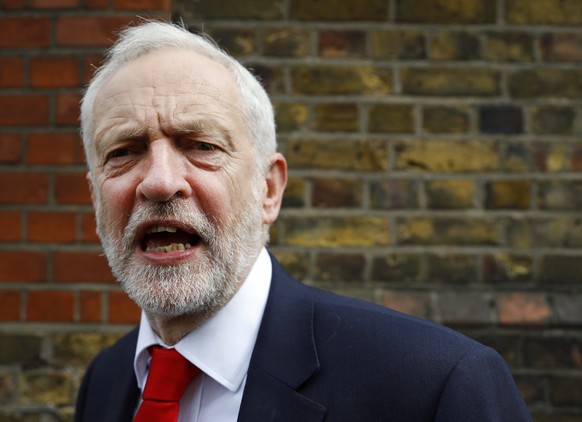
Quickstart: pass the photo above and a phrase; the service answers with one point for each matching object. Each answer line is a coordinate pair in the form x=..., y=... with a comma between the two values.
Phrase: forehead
x=165, y=85
x=168, y=67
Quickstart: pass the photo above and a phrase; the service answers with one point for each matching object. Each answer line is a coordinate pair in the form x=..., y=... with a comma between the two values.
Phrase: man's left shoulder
x=370, y=326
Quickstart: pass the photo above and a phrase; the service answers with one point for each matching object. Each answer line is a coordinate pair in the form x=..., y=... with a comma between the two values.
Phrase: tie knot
x=169, y=375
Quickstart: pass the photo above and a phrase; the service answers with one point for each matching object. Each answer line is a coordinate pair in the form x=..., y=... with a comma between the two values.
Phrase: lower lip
x=168, y=258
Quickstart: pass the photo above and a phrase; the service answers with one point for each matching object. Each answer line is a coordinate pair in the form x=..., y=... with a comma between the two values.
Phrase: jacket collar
x=285, y=356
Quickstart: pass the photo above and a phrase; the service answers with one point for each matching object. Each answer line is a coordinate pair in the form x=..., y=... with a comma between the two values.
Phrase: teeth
x=170, y=248
x=157, y=229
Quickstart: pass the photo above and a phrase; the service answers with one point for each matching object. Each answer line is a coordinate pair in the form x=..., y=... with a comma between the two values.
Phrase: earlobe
x=276, y=180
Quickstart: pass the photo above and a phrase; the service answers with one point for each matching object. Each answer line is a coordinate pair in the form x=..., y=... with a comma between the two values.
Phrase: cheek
x=116, y=201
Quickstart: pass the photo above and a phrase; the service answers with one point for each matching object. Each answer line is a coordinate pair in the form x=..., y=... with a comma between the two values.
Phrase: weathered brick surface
x=287, y=42
x=435, y=158
x=553, y=12
x=458, y=81
x=337, y=43
x=338, y=154
x=397, y=45
x=443, y=119
x=447, y=231
x=562, y=47
x=341, y=80
x=445, y=11
x=336, y=193
x=447, y=156
x=513, y=194
x=394, y=194
x=451, y=194
x=333, y=232
x=391, y=118
x=455, y=46
x=336, y=117
x=546, y=83
x=331, y=10
x=514, y=47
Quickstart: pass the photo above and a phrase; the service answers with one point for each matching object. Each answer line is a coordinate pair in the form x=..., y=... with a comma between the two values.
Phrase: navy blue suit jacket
x=322, y=357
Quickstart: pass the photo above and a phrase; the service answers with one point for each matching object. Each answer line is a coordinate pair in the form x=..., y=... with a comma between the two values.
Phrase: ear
x=276, y=179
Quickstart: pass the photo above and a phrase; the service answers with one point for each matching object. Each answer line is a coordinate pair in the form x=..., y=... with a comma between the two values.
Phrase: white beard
x=200, y=286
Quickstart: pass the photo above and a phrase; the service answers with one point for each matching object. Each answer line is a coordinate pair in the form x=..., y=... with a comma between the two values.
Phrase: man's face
x=176, y=193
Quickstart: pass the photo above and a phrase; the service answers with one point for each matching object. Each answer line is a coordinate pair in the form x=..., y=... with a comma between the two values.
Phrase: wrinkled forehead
x=165, y=85
x=168, y=71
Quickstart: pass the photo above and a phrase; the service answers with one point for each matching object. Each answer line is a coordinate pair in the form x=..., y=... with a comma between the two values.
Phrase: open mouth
x=167, y=239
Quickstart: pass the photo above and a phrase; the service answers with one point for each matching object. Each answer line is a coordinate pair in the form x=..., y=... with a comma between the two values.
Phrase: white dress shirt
x=221, y=347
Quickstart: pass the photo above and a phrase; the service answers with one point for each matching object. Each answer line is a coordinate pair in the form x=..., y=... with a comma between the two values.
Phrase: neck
x=173, y=329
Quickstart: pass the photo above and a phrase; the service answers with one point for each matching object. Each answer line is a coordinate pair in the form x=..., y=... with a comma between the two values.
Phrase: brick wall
x=435, y=159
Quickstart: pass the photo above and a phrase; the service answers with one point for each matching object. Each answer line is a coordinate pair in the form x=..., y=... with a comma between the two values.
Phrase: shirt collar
x=222, y=346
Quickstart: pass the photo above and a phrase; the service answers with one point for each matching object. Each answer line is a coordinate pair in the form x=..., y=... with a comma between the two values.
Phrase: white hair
x=134, y=42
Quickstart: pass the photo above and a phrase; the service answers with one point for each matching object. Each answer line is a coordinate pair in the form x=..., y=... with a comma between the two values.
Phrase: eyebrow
x=115, y=134
x=200, y=126
x=182, y=127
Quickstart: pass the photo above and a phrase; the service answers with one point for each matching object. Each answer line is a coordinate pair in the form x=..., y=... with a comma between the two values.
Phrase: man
x=185, y=179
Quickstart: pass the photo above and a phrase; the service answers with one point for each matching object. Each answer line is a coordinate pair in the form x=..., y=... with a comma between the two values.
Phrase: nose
x=164, y=175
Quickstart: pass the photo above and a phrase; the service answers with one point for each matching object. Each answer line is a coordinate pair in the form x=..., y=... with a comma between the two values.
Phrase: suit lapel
x=123, y=393
x=123, y=400
x=284, y=357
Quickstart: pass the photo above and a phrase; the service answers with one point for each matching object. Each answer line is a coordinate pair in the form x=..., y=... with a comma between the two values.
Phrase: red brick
x=562, y=47
x=12, y=4
x=72, y=188
x=81, y=267
x=50, y=227
x=22, y=266
x=523, y=309
x=23, y=188
x=96, y=4
x=10, y=148
x=90, y=64
x=575, y=159
x=23, y=110
x=53, y=148
x=67, y=113
x=50, y=306
x=122, y=310
x=90, y=306
x=11, y=72
x=342, y=44
x=163, y=5
x=411, y=303
x=10, y=309
x=24, y=32
x=53, y=4
x=50, y=72
x=88, y=228
x=11, y=227
x=89, y=31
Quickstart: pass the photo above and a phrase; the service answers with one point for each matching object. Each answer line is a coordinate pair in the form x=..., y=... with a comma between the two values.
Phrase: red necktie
x=169, y=375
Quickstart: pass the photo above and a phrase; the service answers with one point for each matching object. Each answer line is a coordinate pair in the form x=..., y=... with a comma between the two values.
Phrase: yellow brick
x=338, y=154
x=337, y=232
x=447, y=156
x=341, y=80
x=553, y=12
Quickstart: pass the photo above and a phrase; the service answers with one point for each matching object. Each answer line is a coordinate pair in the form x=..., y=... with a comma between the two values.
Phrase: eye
x=204, y=146
x=118, y=153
